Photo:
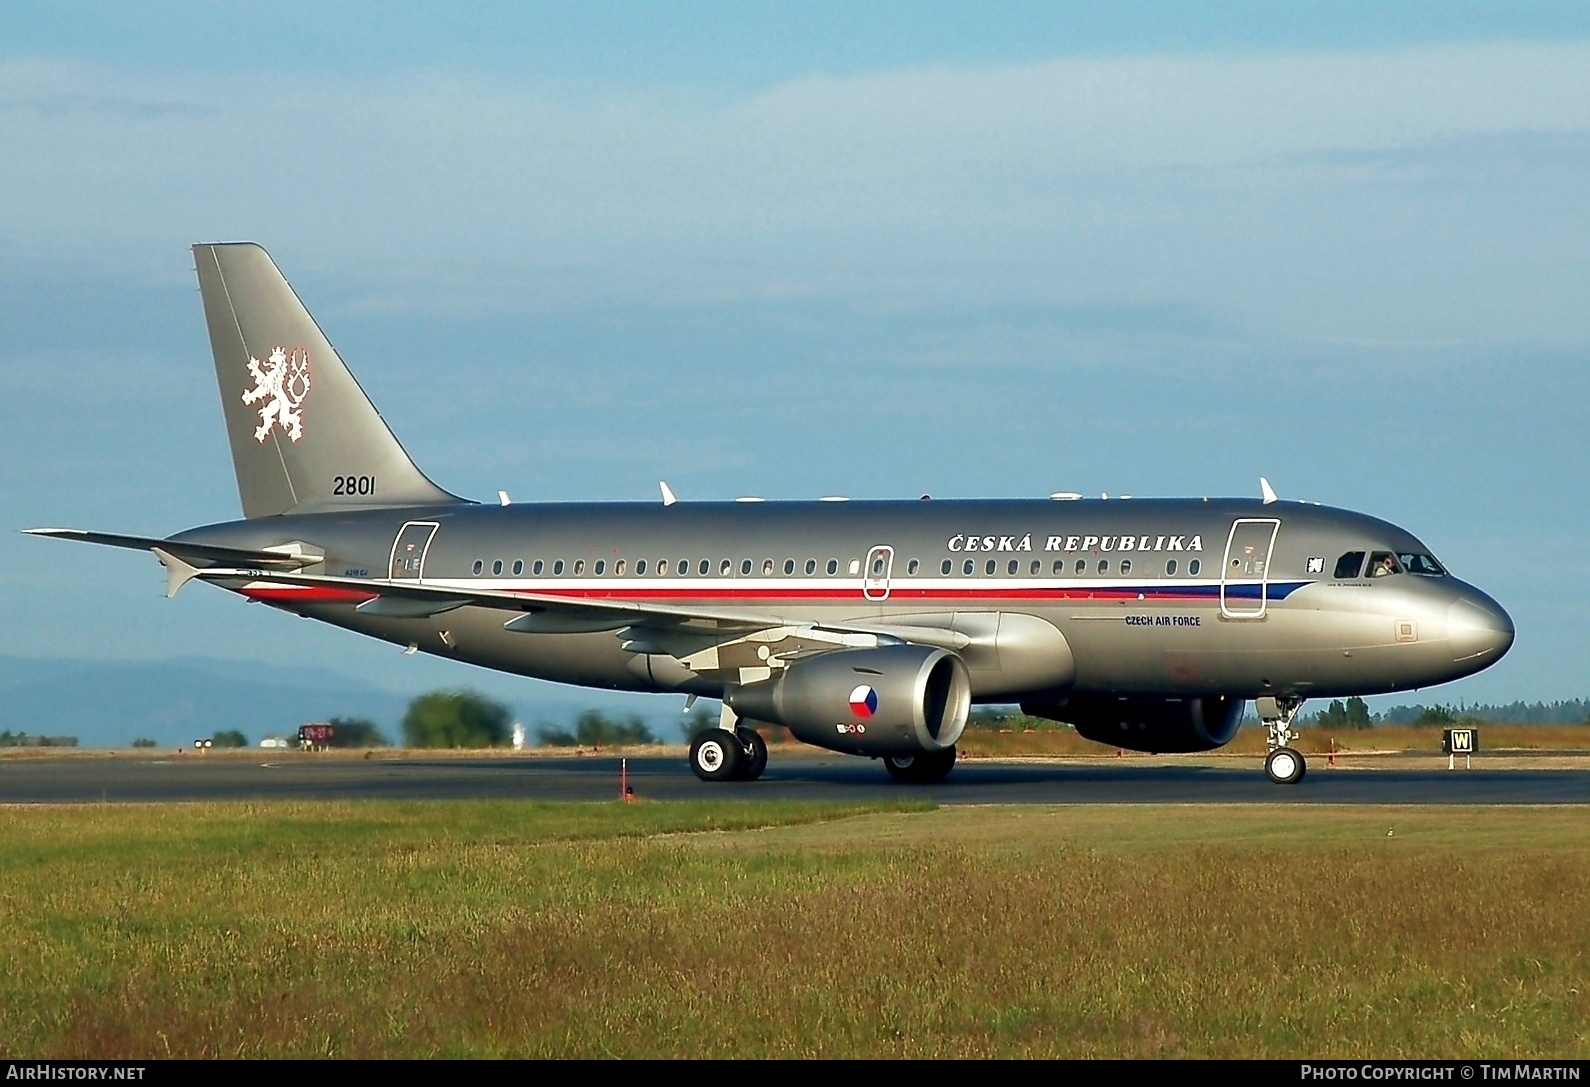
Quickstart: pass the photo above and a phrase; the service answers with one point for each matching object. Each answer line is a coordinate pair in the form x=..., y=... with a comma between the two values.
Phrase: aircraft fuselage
x=1140, y=596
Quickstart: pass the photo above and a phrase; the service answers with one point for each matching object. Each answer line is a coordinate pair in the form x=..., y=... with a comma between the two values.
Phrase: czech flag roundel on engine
x=863, y=701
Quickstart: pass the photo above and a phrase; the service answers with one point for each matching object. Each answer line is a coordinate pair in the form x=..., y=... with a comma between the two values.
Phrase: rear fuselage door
x=875, y=574
x=408, y=550
x=1245, y=574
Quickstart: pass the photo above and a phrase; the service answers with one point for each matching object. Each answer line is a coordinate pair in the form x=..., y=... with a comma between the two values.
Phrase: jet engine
x=1156, y=725
x=892, y=700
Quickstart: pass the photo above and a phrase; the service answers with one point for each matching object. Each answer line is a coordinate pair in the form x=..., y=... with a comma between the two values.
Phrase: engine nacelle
x=1156, y=725
x=893, y=700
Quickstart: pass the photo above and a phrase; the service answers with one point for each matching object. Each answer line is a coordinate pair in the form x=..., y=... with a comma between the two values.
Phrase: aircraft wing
x=707, y=641
x=536, y=612
x=700, y=636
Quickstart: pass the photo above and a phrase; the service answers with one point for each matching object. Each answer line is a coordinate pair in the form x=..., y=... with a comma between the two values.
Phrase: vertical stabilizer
x=304, y=435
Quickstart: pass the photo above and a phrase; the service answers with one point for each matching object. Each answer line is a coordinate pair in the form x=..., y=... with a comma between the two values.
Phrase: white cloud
x=1150, y=181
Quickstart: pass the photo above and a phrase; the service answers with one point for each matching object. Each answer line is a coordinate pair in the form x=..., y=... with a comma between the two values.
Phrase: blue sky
x=796, y=250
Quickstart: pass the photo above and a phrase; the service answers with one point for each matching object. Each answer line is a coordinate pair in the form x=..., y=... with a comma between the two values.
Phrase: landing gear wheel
x=716, y=755
x=921, y=769
x=755, y=750
x=1285, y=766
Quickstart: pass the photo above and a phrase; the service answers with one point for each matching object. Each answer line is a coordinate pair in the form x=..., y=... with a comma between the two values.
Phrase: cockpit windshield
x=1383, y=563
x=1424, y=565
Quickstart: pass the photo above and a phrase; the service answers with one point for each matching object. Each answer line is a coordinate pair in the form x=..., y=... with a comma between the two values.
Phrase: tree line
x=468, y=719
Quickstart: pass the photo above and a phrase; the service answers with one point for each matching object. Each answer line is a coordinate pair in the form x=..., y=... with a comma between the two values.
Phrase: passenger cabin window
x=811, y=566
x=557, y=568
x=662, y=567
x=1126, y=566
x=877, y=566
x=640, y=566
x=1104, y=566
x=601, y=566
x=1170, y=567
x=789, y=567
x=684, y=567
x=833, y=566
x=968, y=566
x=518, y=567
x=1013, y=567
x=1036, y=566
x=579, y=567
x=990, y=566
x=767, y=567
x=912, y=566
x=1059, y=567
x=745, y=568
x=618, y=568
x=538, y=567
x=1383, y=564
x=1082, y=566
x=478, y=567
x=1423, y=565
x=705, y=567
x=1348, y=566
x=496, y=568
x=855, y=567
x=946, y=566
x=726, y=566
x=1193, y=567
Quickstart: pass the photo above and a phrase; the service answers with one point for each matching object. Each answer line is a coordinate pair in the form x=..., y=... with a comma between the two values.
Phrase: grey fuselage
x=1222, y=596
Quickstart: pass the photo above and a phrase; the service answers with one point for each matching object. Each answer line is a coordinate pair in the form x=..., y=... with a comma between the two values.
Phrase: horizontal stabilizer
x=189, y=552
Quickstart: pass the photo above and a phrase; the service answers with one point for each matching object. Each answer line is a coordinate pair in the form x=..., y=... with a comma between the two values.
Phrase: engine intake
x=893, y=700
x=1155, y=725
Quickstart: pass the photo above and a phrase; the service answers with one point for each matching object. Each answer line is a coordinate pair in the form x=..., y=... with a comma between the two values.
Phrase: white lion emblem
x=282, y=384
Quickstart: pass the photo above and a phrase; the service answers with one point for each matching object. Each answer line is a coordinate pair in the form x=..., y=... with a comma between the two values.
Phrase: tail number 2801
x=352, y=485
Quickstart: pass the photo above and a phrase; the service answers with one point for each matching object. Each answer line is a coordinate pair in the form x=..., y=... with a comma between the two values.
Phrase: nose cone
x=1479, y=630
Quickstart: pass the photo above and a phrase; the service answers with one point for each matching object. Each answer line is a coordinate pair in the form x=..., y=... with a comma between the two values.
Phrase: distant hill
x=110, y=703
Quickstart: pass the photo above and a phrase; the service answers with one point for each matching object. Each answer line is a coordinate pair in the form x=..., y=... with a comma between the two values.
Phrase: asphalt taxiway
x=292, y=775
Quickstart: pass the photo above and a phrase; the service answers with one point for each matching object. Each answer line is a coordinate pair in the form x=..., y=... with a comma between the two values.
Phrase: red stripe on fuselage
x=305, y=594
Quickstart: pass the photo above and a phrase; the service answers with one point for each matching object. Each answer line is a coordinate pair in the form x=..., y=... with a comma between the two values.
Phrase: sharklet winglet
x=178, y=573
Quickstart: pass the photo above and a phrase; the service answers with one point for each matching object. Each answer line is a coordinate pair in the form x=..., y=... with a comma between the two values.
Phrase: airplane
x=865, y=627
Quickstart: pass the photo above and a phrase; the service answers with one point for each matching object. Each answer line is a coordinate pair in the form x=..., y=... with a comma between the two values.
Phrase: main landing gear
x=921, y=769
x=720, y=754
x=1283, y=764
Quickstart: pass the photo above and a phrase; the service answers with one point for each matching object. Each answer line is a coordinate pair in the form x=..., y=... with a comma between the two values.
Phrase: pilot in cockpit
x=1382, y=564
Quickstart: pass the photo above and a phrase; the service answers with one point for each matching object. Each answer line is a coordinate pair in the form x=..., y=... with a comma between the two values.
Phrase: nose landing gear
x=1284, y=765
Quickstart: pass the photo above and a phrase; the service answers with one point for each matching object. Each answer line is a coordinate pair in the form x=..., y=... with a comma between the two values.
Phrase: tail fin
x=304, y=435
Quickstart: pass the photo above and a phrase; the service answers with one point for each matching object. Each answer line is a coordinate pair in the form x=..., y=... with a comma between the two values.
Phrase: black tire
x=755, y=749
x=1285, y=766
x=900, y=766
x=716, y=755
x=921, y=769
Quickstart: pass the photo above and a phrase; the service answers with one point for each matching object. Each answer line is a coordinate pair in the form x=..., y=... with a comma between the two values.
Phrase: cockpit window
x=1348, y=565
x=1424, y=565
x=1382, y=563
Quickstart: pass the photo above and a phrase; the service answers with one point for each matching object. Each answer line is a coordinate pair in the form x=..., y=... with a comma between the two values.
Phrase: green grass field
x=726, y=929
